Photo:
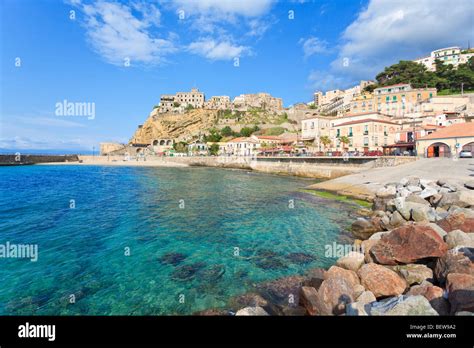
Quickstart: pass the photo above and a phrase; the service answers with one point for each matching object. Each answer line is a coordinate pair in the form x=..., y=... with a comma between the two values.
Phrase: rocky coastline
x=414, y=255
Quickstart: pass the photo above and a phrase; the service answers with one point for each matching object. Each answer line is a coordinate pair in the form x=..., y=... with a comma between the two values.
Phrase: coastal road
x=367, y=182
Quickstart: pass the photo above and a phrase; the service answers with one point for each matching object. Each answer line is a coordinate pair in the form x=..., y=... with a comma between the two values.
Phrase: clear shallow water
x=187, y=250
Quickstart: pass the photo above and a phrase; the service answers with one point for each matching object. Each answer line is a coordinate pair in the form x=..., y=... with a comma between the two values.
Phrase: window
x=366, y=141
x=350, y=131
x=431, y=95
x=385, y=130
x=366, y=129
x=376, y=141
x=387, y=98
x=338, y=133
x=394, y=98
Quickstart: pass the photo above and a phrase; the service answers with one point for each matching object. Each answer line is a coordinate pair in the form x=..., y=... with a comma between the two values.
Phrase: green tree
x=227, y=131
x=214, y=136
x=176, y=104
x=180, y=146
x=324, y=139
x=248, y=131
x=345, y=141
x=214, y=149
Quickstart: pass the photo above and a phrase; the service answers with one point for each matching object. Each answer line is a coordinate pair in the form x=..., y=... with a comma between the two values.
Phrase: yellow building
x=363, y=103
x=364, y=135
x=400, y=99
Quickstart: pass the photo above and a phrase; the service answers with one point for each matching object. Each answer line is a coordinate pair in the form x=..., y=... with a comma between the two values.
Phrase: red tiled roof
x=456, y=130
x=242, y=140
x=364, y=121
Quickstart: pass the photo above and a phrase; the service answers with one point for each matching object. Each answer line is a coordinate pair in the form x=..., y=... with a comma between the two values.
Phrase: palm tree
x=324, y=139
x=344, y=140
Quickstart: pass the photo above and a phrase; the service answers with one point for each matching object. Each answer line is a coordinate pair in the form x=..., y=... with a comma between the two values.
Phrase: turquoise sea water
x=207, y=234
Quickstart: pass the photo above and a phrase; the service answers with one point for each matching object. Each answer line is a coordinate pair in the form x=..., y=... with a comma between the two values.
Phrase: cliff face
x=175, y=126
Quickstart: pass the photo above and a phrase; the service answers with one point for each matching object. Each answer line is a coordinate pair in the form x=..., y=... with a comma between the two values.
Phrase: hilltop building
x=181, y=100
x=259, y=100
x=449, y=55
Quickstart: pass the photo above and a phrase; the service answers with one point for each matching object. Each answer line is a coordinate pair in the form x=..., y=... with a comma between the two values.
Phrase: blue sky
x=287, y=48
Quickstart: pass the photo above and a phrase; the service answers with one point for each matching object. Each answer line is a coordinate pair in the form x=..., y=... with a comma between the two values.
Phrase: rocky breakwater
x=415, y=256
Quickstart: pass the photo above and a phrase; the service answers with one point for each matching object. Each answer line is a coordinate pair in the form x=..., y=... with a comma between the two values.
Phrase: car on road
x=465, y=154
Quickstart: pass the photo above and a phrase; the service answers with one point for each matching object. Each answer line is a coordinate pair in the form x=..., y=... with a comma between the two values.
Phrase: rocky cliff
x=175, y=126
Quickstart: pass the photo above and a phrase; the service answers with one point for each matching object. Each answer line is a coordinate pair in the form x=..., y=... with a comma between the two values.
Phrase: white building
x=243, y=146
x=449, y=55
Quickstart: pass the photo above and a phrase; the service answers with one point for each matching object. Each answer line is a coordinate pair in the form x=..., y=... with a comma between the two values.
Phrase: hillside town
x=368, y=119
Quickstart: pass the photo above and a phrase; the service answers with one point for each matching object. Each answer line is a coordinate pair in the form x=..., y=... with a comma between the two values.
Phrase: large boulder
x=309, y=299
x=457, y=260
x=408, y=244
x=457, y=221
x=363, y=228
x=402, y=305
x=433, y=294
x=252, y=311
x=469, y=184
x=338, y=272
x=333, y=296
x=351, y=261
x=381, y=281
x=458, y=238
x=460, y=292
x=462, y=198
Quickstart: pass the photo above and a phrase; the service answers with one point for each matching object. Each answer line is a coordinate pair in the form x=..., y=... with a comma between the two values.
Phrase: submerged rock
x=268, y=259
x=212, y=273
x=187, y=272
x=172, y=258
x=300, y=258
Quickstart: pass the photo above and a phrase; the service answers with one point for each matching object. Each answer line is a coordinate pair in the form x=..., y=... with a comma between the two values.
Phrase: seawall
x=310, y=167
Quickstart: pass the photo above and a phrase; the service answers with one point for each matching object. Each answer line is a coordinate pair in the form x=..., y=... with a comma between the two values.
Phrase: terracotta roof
x=268, y=137
x=456, y=130
x=242, y=140
x=364, y=121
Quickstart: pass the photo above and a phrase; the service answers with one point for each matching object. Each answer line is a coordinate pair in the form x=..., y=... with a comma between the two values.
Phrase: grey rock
x=415, y=198
x=428, y=192
x=387, y=192
x=469, y=184
x=413, y=181
x=397, y=219
x=414, y=189
x=458, y=238
x=251, y=311
x=351, y=261
x=402, y=305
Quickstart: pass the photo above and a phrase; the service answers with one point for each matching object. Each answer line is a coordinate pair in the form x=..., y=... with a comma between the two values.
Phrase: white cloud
x=118, y=31
x=387, y=31
x=247, y=8
x=324, y=81
x=214, y=50
x=313, y=45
